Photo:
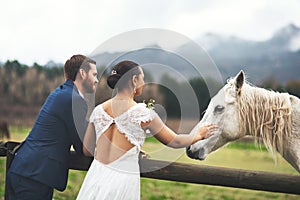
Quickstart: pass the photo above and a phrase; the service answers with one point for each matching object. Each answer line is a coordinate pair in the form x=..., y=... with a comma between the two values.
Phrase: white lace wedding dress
x=119, y=179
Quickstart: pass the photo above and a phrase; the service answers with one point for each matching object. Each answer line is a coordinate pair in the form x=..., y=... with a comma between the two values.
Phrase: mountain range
x=277, y=58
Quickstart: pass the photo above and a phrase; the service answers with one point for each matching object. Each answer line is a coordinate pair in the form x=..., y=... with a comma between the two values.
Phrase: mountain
x=287, y=38
x=277, y=57
x=51, y=64
x=155, y=60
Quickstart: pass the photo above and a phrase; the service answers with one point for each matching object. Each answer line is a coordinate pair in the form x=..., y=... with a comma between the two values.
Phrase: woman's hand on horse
x=207, y=131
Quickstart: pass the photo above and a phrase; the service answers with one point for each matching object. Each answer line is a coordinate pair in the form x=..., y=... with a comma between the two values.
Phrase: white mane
x=265, y=114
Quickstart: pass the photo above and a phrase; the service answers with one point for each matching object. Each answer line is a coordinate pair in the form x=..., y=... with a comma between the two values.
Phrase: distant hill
x=51, y=64
x=277, y=57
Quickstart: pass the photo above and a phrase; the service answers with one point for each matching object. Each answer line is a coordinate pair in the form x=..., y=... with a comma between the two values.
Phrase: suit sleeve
x=78, y=124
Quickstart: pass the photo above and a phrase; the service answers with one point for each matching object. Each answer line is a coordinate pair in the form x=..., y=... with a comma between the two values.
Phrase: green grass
x=153, y=189
x=237, y=155
x=2, y=177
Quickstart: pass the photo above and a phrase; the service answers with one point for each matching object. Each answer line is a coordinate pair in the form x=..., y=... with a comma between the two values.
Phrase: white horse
x=240, y=109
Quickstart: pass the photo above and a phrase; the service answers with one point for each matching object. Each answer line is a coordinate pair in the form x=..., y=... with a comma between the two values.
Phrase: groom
x=41, y=163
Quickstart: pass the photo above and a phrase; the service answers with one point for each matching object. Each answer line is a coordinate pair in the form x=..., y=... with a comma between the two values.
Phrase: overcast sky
x=43, y=30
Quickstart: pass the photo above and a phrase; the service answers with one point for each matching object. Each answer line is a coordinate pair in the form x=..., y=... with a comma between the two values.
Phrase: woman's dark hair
x=76, y=62
x=122, y=73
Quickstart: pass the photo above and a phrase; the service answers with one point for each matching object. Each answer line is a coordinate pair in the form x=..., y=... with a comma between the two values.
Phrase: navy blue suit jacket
x=60, y=123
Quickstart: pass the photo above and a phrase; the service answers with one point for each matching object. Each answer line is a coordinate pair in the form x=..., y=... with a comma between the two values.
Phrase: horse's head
x=223, y=111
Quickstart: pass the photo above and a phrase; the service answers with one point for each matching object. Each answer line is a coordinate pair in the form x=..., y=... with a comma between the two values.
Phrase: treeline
x=291, y=86
x=24, y=85
x=23, y=89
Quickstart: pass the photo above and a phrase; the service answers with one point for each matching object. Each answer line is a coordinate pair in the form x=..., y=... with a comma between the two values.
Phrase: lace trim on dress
x=128, y=123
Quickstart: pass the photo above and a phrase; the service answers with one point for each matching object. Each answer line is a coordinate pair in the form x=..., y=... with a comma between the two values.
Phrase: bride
x=116, y=133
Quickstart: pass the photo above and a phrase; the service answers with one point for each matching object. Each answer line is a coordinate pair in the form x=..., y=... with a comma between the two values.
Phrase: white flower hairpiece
x=113, y=72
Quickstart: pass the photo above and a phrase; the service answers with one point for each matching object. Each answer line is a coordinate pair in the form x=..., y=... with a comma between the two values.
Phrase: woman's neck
x=124, y=95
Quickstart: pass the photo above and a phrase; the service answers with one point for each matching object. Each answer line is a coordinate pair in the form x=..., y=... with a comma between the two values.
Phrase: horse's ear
x=239, y=81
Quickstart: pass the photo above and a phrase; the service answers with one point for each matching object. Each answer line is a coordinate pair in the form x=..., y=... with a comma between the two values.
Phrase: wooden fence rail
x=199, y=174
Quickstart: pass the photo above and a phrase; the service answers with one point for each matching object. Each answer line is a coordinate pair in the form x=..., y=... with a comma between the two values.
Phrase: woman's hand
x=206, y=131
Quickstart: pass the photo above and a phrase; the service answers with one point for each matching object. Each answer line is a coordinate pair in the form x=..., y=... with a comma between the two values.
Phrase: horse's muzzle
x=194, y=155
x=198, y=155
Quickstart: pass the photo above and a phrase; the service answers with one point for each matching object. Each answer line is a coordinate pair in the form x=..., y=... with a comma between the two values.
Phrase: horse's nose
x=190, y=153
x=198, y=155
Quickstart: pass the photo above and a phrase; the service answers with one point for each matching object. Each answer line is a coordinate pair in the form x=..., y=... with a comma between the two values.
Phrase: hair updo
x=122, y=73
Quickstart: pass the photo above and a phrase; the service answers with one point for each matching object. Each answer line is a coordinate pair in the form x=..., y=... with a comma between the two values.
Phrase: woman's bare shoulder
x=106, y=104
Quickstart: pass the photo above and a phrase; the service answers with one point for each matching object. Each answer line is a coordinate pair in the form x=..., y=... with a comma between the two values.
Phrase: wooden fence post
x=9, y=156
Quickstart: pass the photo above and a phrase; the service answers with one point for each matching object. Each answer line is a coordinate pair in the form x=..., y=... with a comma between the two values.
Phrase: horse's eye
x=219, y=109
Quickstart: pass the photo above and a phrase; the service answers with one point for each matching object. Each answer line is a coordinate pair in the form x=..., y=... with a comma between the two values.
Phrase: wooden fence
x=199, y=174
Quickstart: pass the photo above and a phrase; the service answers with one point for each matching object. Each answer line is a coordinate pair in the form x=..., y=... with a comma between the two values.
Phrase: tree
x=293, y=87
x=168, y=89
x=202, y=93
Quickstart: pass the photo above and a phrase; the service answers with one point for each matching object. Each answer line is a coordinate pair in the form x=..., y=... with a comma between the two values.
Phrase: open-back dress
x=119, y=179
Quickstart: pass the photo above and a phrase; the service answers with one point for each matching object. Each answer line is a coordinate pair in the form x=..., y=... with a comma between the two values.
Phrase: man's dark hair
x=76, y=62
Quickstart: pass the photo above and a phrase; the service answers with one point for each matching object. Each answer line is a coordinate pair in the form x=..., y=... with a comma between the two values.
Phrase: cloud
x=39, y=31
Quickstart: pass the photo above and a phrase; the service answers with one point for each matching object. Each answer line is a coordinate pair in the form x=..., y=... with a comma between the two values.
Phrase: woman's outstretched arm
x=168, y=137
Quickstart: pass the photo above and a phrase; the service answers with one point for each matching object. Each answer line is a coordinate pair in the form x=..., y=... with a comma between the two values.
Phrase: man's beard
x=88, y=86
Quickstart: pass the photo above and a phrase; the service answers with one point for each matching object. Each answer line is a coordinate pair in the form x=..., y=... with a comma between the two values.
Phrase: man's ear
x=134, y=79
x=82, y=73
x=239, y=81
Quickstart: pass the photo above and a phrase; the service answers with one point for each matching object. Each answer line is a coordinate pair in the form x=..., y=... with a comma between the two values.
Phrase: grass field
x=236, y=155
